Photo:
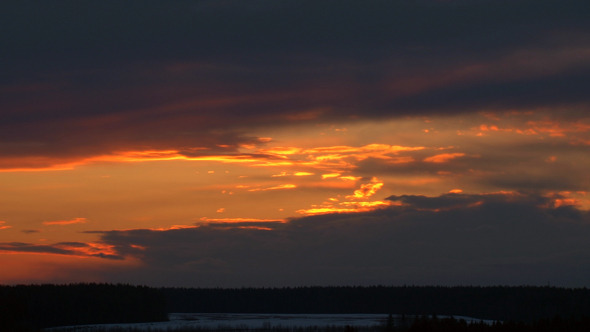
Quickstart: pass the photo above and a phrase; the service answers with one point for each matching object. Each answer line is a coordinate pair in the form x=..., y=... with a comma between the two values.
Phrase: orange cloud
x=485, y=127
x=557, y=129
x=303, y=173
x=443, y=157
x=3, y=226
x=325, y=210
x=576, y=199
x=350, y=178
x=93, y=249
x=129, y=156
x=539, y=127
x=367, y=190
x=346, y=207
x=240, y=220
x=364, y=192
x=162, y=229
x=283, y=151
x=279, y=187
x=155, y=155
x=334, y=159
x=280, y=175
x=558, y=202
x=32, y=164
x=66, y=222
x=362, y=152
x=294, y=174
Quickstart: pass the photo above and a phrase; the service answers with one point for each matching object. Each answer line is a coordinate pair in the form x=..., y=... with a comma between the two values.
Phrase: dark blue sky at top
x=274, y=41
x=67, y=64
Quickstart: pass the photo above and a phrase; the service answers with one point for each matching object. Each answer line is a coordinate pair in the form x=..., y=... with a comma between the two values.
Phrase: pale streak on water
x=250, y=321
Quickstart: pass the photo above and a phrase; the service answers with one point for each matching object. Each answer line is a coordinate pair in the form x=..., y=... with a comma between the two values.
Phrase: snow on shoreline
x=214, y=321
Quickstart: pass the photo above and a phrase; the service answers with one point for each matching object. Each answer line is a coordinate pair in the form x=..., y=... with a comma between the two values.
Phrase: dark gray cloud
x=451, y=239
x=30, y=231
x=84, y=78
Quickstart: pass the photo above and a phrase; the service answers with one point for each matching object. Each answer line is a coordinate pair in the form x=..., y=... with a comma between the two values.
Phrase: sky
x=264, y=143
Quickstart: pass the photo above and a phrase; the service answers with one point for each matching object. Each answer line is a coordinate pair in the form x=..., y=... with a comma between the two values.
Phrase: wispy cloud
x=279, y=187
x=63, y=248
x=443, y=157
x=66, y=222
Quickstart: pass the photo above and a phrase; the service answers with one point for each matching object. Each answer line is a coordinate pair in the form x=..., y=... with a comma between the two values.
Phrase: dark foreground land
x=34, y=307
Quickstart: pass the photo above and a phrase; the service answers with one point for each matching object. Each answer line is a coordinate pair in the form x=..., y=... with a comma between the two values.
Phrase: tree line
x=32, y=307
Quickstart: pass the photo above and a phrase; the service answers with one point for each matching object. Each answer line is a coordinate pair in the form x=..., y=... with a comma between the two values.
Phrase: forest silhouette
x=34, y=307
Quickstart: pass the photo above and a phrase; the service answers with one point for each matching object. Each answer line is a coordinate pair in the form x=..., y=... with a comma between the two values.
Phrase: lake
x=248, y=321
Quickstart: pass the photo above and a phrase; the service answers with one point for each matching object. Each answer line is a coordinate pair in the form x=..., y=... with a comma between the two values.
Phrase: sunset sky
x=296, y=142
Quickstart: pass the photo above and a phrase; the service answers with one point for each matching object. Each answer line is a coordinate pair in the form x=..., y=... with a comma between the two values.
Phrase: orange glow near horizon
x=275, y=179
x=40, y=268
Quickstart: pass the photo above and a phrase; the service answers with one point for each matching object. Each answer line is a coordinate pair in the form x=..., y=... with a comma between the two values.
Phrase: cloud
x=443, y=157
x=3, y=226
x=62, y=248
x=238, y=220
x=83, y=90
x=367, y=189
x=450, y=239
x=279, y=187
x=66, y=222
x=446, y=201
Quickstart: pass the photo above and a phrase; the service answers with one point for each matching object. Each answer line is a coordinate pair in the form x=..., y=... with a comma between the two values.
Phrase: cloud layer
x=453, y=239
x=82, y=80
